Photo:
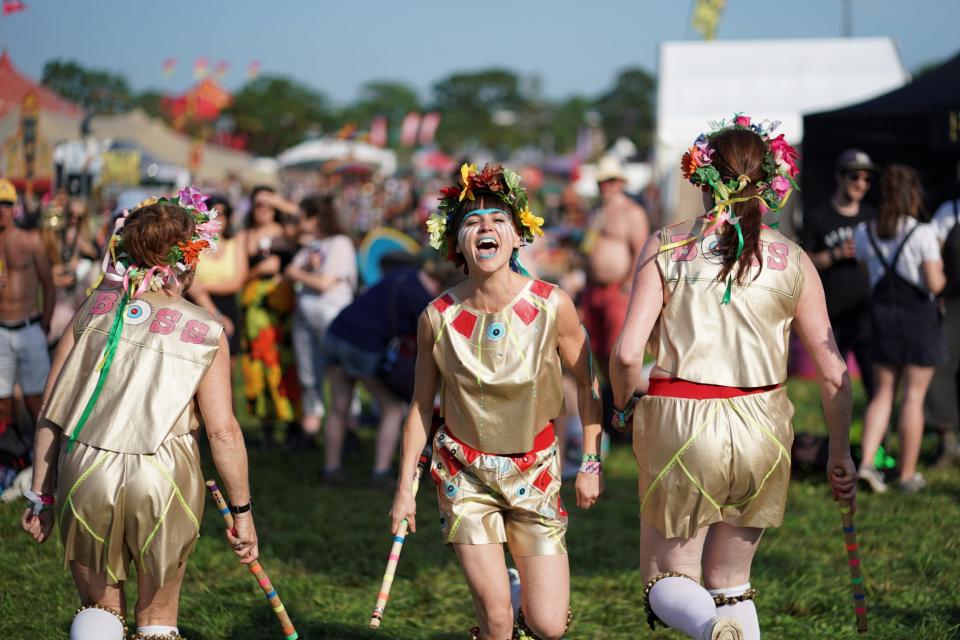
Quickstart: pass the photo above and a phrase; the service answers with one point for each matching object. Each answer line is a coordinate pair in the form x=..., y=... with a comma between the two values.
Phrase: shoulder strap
x=876, y=248
x=956, y=211
x=896, y=256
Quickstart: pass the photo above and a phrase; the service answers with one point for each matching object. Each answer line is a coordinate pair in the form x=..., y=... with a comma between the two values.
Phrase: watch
x=242, y=508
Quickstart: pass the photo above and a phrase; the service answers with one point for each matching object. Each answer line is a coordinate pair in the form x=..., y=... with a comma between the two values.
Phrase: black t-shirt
x=845, y=283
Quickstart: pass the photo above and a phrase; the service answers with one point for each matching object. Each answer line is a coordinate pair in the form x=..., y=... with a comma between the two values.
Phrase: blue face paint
x=480, y=212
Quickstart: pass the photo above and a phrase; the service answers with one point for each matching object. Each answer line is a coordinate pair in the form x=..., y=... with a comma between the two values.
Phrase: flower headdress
x=779, y=167
x=493, y=180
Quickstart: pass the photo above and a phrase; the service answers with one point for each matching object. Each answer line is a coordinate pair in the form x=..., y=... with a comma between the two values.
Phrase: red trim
x=676, y=388
x=540, y=442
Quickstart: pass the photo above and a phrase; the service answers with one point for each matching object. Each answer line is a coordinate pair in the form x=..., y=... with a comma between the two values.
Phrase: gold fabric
x=707, y=461
x=117, y=507
x=165, y=347
x=501, y=371
x=741, y=344
x=492, y=499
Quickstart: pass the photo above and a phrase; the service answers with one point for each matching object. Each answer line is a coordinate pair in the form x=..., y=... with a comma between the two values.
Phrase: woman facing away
x=116, y=454
x=495, y=345
x=905, y=267
x=716, y=297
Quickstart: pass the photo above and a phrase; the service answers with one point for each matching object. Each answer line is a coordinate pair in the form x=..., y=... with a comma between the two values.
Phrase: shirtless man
x=23, y=328
x=617, y=234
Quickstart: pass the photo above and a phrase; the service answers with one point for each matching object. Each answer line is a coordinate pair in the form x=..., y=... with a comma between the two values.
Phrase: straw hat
x=610, y=168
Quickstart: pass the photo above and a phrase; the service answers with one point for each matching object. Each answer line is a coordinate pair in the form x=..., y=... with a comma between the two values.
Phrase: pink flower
x=742, y=121
x=780, y=186
x=191, y=197
x=784, y=155
x=210, y=227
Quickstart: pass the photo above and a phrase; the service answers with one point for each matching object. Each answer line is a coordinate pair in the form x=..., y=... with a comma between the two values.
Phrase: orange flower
x=191, y=251
x=689, y=164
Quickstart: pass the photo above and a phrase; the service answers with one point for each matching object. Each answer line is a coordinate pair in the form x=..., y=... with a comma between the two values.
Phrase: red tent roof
x=14, y=86
x=204, y=101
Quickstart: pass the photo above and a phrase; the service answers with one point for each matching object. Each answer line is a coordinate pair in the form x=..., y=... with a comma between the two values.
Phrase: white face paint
x=487, y=237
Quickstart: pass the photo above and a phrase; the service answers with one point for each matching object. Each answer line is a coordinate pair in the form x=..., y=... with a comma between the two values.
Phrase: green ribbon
x=740, y=243
x=113, y=339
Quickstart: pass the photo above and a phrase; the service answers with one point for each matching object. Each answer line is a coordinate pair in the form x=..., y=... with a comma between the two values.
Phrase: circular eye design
x=522, y=491
x=496, y=331
x=450, y=489
x=441, y=437
x=137, y=312
x=443, y=521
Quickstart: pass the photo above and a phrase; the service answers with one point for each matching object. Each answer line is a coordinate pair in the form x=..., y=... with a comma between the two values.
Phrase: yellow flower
x=466, y=170
x=437, y=226
x=532, y=222
x=144, y=203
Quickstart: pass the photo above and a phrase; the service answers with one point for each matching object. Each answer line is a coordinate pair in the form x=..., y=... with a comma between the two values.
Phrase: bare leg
x=727, y=558
x=878, y=412
x=341, y=394
x=660, y=555
x=391, y=419
x=158, y=605
x=916, y=381
x=545, y=595
x=486, y=573
x=93, y=588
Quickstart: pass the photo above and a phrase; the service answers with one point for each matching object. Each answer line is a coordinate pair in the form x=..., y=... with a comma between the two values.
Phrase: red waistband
x=540, y=442
x=676, y=388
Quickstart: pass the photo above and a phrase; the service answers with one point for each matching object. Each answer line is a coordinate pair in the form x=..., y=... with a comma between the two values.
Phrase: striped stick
x=285, y=624
x=853, y=559
x=377, y=616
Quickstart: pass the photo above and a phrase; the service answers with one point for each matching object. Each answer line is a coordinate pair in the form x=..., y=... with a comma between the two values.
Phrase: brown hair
x=739, y=152
x=902, y=195
x=481, y=200
x=322, y=207
x=150, y=231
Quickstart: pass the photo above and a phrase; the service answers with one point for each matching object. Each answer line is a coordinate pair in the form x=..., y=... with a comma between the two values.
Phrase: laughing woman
x=495, y=345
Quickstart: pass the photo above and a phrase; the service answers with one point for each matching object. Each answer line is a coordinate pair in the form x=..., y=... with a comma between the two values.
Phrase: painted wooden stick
x=853, y=559
x=377, y=616
x=285, y=624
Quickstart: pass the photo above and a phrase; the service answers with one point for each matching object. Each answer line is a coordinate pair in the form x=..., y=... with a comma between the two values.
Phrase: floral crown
x=180, y=258
x=494, y=180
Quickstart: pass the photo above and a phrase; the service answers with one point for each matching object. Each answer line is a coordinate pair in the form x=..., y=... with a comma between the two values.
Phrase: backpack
x=951, y=255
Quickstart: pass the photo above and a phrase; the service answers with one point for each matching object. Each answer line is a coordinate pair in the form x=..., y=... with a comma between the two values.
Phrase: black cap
x=855, y=160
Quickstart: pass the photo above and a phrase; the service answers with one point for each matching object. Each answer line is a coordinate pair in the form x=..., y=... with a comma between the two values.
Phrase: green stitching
x=737, y=505
x=716, y=505
x=86, y=526
x=757, y=425
x=82, y=478
x=176, y=490
x=156, y=528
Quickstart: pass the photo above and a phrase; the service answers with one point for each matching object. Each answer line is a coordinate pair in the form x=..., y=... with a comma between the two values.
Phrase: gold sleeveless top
x=741, y=344
x=165, y=347
x=500, y=372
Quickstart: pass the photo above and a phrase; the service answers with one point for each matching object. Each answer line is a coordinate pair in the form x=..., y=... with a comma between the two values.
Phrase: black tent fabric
x=917, y=124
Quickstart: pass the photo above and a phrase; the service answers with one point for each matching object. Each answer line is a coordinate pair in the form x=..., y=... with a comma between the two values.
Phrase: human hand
x=243, y=538
x=842, y=475
x=228, y=327
x=404, y=508
x=38, y=526
x=847, y=250
x=269, y=266
x=589, y=489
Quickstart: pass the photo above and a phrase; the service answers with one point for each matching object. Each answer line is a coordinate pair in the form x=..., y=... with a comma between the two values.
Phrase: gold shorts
x=713, y=460
x=491, y=499
x=118, y=507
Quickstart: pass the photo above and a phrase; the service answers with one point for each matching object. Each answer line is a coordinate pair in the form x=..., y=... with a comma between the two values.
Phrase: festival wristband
x=40, y=501
x=594, y=466
x=591, y=457
x=244, y=508
x=621, y=418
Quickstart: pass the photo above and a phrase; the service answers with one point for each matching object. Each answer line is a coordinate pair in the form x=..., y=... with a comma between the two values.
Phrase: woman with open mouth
x=495, y=345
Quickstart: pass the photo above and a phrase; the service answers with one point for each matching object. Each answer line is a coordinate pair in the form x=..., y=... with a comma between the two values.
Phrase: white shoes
x=724, y=629
x=873, y=478
x=514, y=576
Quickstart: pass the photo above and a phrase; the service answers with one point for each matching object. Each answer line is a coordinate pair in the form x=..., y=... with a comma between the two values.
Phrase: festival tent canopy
x=203, y=101
x=14, y=86
x=918, y=124
x=765, y=79
x=323, y=151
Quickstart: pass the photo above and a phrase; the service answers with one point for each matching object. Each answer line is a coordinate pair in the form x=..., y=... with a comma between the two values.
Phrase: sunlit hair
x=902, y=195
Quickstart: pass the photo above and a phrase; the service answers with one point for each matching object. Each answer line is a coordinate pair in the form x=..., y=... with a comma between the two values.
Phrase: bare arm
x=416, y=428
x=45, y=275
x=575, y=354
x=240, y=268
x=933, y=275
x=316, y=281
x=812, y=325
x=641, y=231
x=821, y=259
x=646, y=302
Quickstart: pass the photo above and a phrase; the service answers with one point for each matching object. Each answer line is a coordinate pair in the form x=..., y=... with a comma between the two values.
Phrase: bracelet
x=40, y=501
x=591, y=457
x=242, y=508
x=621, y=418
x=594, y=466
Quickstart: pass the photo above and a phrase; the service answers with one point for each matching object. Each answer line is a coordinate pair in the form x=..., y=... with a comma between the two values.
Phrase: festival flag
x=201, y=67
x=378, y=131
x=428, y=127
x=13, y=6
x=253, y=70
x=347, y=131
x=408, y=129
x=169, y=66
x=706, y=17
x=221, y=70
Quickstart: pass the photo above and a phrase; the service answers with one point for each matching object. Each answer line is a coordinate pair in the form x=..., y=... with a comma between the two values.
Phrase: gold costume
x=132, y=487
x=709, y=460
x=501, y=384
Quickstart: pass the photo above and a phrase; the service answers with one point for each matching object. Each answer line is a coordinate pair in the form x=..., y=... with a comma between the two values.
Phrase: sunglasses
x=855, y=176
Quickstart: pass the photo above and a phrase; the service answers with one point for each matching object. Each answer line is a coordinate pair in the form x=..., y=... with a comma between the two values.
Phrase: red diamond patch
x=443, y=303
x=464, y=323
x=525, y=461
x=453, y=465
x=525, y=311
x=542, y=289
x=543, y=481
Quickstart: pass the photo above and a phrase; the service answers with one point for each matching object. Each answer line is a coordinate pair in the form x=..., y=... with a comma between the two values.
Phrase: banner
x=378, y=131
x=121, y=168
x=13, y=6
x=253, y=70
x=706, y=17
x=169, y=66
x=408, y=129
x=201, y=67
x=428, y=127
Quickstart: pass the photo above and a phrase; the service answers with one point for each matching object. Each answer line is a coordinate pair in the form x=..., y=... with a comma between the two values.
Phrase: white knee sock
x=96, y=624
x=514, y=576
x=743, y=612
x=683, y=604
x=157, y=630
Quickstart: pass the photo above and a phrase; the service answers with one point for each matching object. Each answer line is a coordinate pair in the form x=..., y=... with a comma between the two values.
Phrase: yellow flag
x=706, y=17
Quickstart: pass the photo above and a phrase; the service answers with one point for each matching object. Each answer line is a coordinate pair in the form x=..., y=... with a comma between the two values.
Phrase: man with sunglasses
x=827, y=236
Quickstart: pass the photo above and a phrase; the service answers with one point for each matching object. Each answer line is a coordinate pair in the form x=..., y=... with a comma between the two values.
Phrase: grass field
x=325, y=549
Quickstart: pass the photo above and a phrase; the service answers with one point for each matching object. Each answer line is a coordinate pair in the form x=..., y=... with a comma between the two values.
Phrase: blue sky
x=574, y=46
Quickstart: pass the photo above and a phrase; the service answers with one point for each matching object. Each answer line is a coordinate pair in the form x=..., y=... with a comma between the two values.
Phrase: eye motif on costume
x=496, y=331
x=450, y=489
x=137, y=312
x=523, y=491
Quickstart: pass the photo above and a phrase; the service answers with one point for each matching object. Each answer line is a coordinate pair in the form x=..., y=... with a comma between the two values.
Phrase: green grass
x=325, y=550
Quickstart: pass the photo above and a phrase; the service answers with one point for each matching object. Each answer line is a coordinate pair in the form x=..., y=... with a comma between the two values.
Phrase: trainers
x=873, y=478
x=724, y=629
x=912, y=484
x=335, y=477
x=514, y=576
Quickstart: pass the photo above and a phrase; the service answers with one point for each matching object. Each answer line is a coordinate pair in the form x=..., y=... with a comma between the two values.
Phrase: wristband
x=621, y=419
x=594, y=466
x=242, y=508
x=591, y=457
x=40, y=501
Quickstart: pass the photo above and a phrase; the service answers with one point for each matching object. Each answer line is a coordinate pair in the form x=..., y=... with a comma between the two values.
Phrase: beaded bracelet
x=594, y=466
x=621, y=418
